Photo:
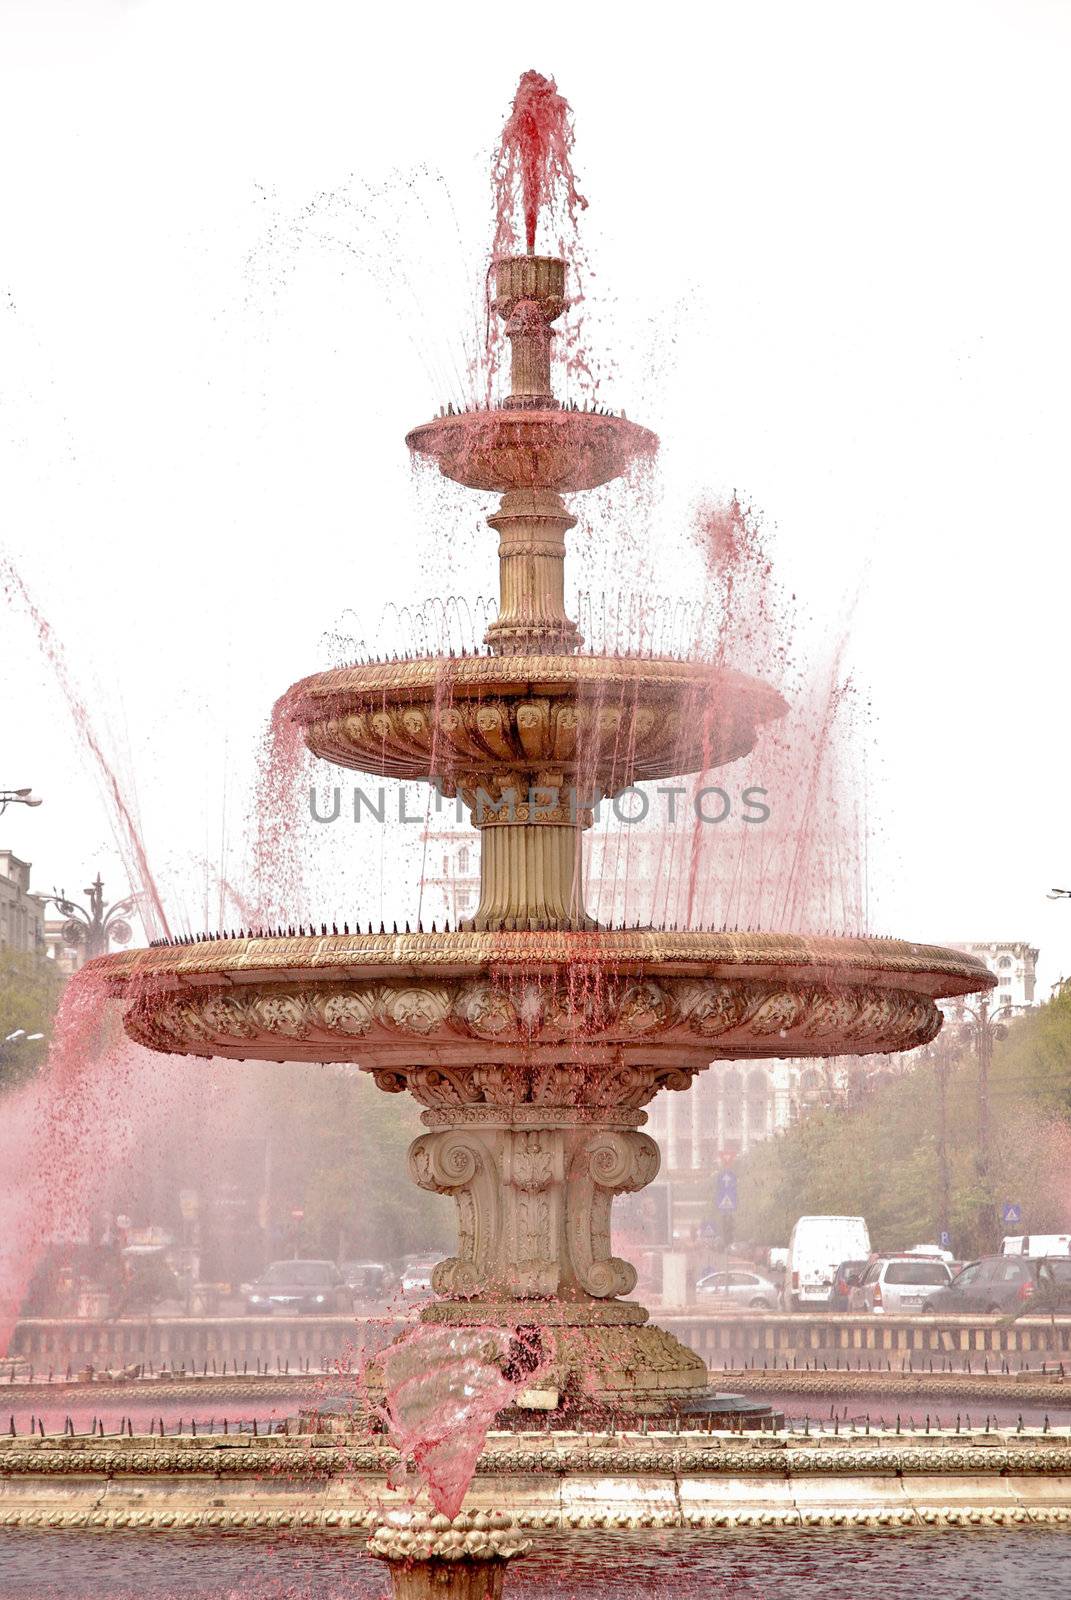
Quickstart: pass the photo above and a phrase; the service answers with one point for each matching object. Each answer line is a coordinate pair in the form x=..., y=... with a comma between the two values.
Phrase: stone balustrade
x=722, y=1340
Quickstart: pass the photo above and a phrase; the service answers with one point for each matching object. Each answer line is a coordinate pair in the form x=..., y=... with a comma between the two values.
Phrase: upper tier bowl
x=540, y=449
x=606, y=721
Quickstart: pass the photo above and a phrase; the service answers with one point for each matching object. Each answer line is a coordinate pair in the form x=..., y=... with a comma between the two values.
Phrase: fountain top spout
x=533, y=163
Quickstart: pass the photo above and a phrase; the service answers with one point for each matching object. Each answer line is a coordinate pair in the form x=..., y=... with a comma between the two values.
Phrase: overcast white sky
x=832, y=257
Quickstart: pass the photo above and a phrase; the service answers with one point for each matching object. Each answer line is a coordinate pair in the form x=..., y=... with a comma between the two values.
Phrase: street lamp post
x=942, y=1053
x=97, y=926
x=17, y=797
x=977, y=1025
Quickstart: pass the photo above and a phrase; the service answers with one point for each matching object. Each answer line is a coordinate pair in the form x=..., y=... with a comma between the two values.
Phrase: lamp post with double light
x=17, y=797
x=95, y=927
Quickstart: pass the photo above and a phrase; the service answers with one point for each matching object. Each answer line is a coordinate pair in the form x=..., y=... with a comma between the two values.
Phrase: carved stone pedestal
x=534, y=1184
x=444, y=1558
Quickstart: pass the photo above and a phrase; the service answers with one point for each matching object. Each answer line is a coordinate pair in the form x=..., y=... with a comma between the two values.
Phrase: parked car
x=815, y=1249
x=1004, y=1284
x=899, y=1283
x=737, y=1288
x=847, y=1276
x=1036, y=1244
x=416, y=1278
x=298, y=1287
x=936, y=1251
x=366, y=1280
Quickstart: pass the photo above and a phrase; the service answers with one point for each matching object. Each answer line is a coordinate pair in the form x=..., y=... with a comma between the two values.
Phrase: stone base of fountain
x=551, y=1483
x=601, y=1355
x=589, y=1362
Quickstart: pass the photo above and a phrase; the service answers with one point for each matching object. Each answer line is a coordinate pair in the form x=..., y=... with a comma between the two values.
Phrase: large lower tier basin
x=754, y=1563
x=658, y=1005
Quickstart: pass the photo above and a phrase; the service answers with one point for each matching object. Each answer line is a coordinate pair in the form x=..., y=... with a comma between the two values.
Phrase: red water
x=600, y=1564
x=127, y=832
x=445, y=1387
x=278, y=820
x=65, y=1133
x=532, y=173
x=801, y=870
x=533, y=163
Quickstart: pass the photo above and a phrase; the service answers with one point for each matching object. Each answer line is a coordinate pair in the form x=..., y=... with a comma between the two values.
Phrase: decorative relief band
x=690, y=1020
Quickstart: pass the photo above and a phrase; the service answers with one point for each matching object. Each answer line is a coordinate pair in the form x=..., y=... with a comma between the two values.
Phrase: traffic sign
x=1012, y=1213
x=725, y=1191
x=708, y=1231
x=944, y=1239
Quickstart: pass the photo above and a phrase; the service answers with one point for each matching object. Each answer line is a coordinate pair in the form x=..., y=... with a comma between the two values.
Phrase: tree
x=30, y=987
x=879, y=1158
x=341, y=1146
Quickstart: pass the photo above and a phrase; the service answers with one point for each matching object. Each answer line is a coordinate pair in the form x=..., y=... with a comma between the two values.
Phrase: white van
x=816, y=1249
x=1036, y=1244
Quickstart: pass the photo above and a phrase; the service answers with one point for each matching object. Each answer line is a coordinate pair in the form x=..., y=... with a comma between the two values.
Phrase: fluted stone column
x=531, y=525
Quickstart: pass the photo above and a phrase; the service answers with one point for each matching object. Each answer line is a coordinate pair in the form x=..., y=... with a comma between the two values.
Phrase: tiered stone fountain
x=532, y=1037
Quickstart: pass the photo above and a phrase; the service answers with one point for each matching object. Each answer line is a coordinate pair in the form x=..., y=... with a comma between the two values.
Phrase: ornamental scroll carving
x=533, y=1207
x=461, y=1164
x=608, y=1163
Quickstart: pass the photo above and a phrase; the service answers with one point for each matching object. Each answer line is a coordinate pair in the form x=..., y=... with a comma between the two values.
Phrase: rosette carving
x=419, y=1010
x=486, y=1011
x=284, y=1014
x=222, y=1014
x=349, y=1012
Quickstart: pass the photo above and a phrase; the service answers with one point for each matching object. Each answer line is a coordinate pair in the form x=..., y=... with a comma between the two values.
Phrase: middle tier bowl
x=549, y=448
x=613, y=1001
x=603, y=721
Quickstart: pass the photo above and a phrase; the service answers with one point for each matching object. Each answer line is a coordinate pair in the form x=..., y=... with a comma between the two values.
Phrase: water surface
x=912, y=1564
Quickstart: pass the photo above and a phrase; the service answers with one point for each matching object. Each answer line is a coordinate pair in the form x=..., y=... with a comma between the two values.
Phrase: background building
x=67, y=956
x=451, y=877
x=1014, y=965
x=22, y=914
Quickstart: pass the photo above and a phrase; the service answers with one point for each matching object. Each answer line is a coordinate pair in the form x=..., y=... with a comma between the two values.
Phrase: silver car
x=899, y=1283
x=737, y=1289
